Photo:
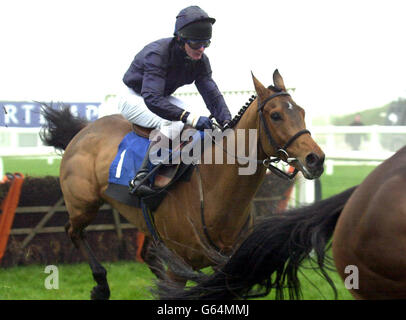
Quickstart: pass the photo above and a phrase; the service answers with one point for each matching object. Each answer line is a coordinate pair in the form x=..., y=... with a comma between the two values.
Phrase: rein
x=281, y=153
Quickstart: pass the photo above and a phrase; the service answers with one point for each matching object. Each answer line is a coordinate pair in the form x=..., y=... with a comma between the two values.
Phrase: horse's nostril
x=312, y=159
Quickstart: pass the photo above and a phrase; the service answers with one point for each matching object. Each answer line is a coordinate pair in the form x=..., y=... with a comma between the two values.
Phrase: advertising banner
x=27, y=114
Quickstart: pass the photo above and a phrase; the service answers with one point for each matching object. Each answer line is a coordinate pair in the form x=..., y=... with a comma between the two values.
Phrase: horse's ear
x=278, y=81
x=259, y=87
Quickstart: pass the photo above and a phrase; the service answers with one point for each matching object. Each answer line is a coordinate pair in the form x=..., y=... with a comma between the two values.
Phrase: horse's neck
x=230, y=182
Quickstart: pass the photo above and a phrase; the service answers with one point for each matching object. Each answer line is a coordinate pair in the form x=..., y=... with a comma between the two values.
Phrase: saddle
x=167, y=173
x=164, y=177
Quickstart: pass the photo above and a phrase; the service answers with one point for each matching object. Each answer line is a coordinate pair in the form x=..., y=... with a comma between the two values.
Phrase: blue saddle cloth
x=128, y=160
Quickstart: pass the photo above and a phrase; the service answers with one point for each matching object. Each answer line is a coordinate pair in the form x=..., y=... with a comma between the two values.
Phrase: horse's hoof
x=100, y=293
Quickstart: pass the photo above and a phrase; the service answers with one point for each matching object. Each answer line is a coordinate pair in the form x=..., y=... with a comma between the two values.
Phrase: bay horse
x=91, y=147
x=367, y=226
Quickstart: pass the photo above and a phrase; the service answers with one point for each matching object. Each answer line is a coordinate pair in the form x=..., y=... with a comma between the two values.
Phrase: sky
x=340, y=56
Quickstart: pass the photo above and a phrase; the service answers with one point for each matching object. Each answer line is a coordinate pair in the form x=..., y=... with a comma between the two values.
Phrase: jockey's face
x=195, y=54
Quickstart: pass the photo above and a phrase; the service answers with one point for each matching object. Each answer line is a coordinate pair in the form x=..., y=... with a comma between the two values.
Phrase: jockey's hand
x=200, y=123
x=225, y=122
x=204, y=123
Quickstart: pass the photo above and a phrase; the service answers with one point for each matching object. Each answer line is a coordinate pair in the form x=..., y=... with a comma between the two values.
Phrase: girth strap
x=149, y=220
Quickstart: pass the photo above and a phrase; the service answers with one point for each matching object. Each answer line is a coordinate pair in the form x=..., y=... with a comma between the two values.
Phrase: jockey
x=158, y=70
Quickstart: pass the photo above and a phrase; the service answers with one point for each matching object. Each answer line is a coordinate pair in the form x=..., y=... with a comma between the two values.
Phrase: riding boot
x=144, y=189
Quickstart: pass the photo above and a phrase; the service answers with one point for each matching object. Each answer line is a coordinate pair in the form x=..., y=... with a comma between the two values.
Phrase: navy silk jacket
x=161, y=68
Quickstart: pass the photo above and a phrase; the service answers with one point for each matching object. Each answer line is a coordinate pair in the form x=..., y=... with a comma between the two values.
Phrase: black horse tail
x=269, y=258
x=61, y=126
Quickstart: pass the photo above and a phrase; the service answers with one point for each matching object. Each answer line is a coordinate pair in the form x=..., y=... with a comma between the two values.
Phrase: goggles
x=197, y=44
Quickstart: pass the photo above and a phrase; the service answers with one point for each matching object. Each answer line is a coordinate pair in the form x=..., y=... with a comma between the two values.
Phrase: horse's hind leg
x=102, y=290
x=75, y=229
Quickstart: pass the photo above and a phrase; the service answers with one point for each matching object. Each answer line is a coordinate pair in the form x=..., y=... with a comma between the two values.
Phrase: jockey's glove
x=225, y=123
x=199, y=122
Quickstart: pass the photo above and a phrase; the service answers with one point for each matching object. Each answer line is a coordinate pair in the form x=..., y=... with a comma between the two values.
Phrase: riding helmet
x=194, y=23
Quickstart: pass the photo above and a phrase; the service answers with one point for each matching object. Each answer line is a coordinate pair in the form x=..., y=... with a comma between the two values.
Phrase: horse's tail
x=61, y=126
x=269, y=258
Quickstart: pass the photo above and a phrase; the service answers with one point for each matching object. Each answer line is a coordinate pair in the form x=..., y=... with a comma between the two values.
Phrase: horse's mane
x=244, y=108
x=238, y=116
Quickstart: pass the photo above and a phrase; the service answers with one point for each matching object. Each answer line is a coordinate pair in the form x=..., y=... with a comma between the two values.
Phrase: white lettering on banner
x=27, y=113
x=10, y=114
x=41, y=119
x=91, y=111
x=74, y=110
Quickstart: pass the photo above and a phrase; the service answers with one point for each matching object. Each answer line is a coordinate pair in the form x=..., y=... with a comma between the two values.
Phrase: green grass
x=127, y=280
x=35, y=167
x=315, y=287
x=343, y=178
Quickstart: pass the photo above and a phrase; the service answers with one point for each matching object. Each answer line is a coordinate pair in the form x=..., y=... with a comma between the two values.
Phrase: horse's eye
x=276, y=116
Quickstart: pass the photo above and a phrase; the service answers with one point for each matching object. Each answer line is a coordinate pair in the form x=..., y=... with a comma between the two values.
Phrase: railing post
x=329, y=165
x=306, y=192
x=375, y=139
x=330, y=141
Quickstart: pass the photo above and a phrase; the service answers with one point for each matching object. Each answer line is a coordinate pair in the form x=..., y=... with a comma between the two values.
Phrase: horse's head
x=282, y=130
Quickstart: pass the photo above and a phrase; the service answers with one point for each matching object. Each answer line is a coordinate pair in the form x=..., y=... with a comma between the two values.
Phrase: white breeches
x=132, y=106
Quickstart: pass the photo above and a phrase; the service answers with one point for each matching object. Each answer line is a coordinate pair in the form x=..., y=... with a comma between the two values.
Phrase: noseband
x=281, y=153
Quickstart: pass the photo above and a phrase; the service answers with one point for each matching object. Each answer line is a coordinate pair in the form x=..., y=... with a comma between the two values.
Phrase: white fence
x=374, y=149
x=378, y=143
x=23, y=142
x=26, y=142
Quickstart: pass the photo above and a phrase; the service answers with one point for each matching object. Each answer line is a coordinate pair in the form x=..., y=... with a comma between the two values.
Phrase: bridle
x=281, y=153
